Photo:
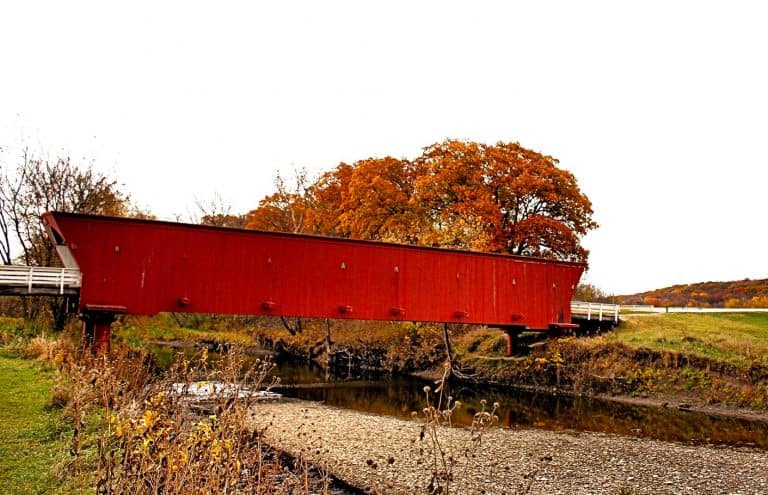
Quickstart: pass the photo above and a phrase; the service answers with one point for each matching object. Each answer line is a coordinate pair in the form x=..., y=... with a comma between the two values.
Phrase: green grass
x=33, y=440
x=137, y=331
x=740, y=339
x=15, y=327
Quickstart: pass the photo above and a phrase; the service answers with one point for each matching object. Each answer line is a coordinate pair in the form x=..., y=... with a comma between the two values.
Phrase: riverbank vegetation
x=118, y=424
x=392, y=347
x=183, y=329
x=703, y=359
x=712, y=359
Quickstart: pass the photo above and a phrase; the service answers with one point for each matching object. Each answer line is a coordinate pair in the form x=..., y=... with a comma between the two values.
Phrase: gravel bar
x=381, y=454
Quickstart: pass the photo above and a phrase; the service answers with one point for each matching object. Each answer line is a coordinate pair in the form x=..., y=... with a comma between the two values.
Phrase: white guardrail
x=679, y=309
x=38, y=277
x=602, y=311
x=596, y=311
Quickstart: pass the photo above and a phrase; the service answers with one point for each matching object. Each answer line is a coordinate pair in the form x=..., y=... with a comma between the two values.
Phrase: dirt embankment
x=615, y=370
x=348, y=345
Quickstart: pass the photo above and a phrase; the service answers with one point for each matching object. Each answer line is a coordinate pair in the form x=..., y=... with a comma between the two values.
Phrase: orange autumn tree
x=324, y=199
x=285, y=210
x=455, y=204
x=543, y=211
x=502, y=198
x=378, y=201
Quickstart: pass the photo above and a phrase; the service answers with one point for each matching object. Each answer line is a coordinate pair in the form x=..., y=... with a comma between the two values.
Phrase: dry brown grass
x=44, y=349
x=138, y=433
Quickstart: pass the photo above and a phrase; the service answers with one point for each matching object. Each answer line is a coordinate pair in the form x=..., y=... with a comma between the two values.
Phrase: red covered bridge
x=143, y=267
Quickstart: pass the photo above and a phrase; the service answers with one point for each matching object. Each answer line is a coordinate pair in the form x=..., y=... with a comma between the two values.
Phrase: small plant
x=695, y=379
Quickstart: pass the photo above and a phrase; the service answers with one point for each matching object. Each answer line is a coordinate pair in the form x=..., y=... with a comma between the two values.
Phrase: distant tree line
x=735, y=294
x=587, y=292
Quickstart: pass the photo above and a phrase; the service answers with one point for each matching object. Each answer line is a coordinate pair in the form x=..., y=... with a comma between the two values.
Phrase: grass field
x=33, y=440
x=740, y=339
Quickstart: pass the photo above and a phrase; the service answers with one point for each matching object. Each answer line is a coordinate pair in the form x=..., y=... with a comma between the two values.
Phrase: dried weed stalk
x=449, y=463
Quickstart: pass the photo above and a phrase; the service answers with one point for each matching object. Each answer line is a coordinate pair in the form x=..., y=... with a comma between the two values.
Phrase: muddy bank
x=682, y=402
x=674, y=403
x=404, y=354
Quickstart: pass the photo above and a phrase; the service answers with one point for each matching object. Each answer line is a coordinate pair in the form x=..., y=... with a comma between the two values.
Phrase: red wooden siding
x=149, y=266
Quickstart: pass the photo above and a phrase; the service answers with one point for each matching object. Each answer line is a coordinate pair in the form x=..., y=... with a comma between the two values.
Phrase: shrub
x=156, y=433
x=38, y=348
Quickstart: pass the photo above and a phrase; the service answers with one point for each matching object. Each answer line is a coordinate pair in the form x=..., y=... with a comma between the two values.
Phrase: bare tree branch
x=39, y=185
x=217, y=213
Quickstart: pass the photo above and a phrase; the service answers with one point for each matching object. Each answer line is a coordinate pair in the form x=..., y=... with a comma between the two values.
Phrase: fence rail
x=19, y=279
x=579, y=308
x=595, y=311
x=679, y=309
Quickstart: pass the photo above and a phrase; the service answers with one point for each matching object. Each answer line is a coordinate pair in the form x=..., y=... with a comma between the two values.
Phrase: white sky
x=658, y=108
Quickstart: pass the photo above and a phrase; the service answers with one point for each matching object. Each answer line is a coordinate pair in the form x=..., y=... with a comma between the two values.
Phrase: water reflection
x=399, y=396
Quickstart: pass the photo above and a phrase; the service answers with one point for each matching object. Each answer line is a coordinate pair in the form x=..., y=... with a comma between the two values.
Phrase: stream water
x=399, y=396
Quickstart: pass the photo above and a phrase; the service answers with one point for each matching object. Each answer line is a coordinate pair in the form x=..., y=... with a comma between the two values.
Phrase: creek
x=401, y=395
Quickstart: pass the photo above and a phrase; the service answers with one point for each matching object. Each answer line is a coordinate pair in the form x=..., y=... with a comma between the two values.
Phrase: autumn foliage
x=736, y=294
x=502, y=198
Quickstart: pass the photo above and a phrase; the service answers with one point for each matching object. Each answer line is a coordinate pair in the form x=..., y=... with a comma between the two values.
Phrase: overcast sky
x=659, y=108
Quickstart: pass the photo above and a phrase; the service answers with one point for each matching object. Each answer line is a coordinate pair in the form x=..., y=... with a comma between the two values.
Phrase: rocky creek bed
x=381, y=454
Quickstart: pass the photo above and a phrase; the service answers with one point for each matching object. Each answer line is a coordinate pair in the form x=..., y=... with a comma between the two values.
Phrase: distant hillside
x=737, y=294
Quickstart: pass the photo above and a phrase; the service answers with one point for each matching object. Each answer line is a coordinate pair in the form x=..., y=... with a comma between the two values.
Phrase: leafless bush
x=449, y=462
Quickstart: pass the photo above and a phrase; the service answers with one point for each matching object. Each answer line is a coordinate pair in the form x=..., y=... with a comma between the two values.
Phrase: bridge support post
x=511, y=334
x=97, y=326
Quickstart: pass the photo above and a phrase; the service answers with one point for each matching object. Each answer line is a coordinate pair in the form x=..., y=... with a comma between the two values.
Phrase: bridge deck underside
x=37, y=291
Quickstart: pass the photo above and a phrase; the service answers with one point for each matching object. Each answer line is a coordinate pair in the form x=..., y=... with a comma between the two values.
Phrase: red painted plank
x=149, y=266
